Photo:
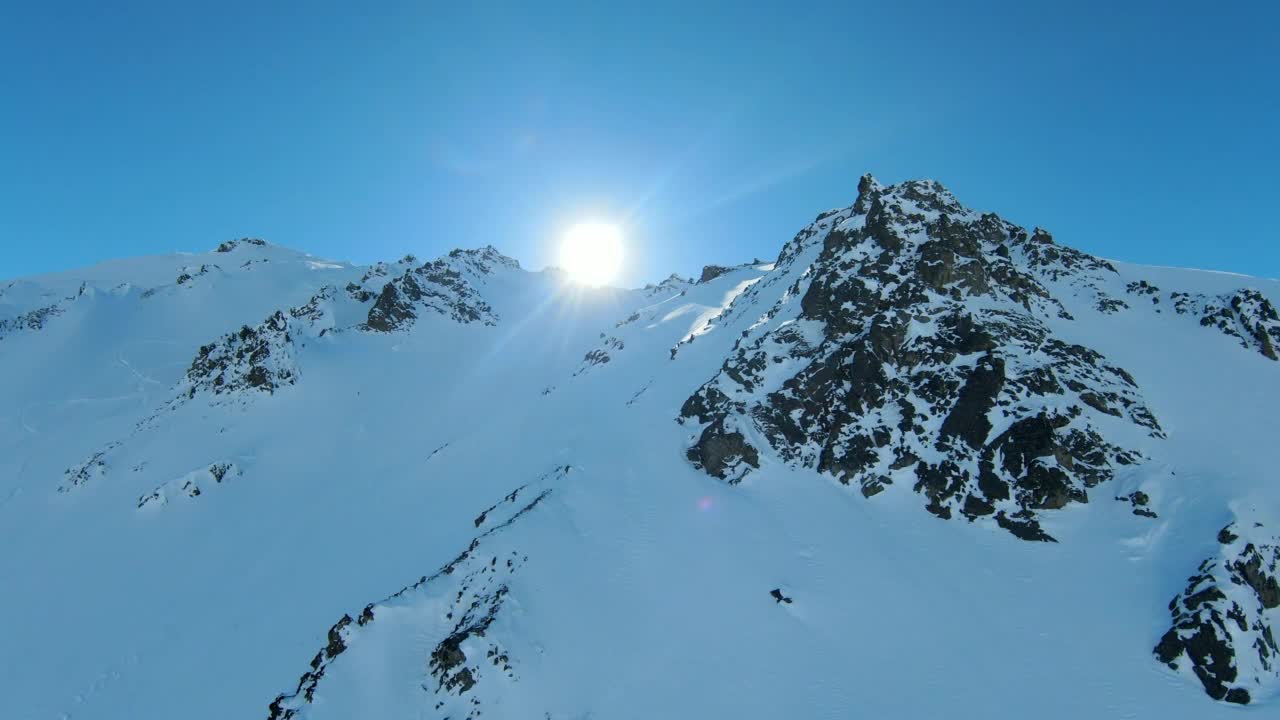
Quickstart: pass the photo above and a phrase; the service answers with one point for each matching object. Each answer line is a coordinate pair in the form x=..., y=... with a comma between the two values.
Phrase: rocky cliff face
x=922, y=351
x=1223, y=623
x=440, y=286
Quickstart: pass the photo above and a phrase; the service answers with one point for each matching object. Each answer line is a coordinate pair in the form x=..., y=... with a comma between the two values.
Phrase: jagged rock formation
x=711, y=272
x=439, y=286
x=230, y=245
x=1224, y=621
x=482, y=262
x=253, y=358
x=921, y=351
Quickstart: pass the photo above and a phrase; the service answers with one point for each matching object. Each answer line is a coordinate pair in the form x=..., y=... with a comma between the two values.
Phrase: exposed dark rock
x=1023, y=529
x=30, y=321
x=257, y=358
x=1259, y=572
x=974, y=506
x=359, y=294
x=968, y=418
x=711, y=272
x=1220, y=625
x=885, y=338
x=437, y=287
x=230, y=245
x=93, y=468
x=1110, y=305
x=1239, y=696
x=1139, y=501
x=336, y=644
x=192, y=484
x=1246, y=315
x=600, y=355
x=191, y=273
x=723, y=453
x=390, y=311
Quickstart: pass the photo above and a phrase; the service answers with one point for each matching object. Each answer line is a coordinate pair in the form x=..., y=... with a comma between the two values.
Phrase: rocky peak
x=231, y=245
x=436, y=287
x=920, y=352
x=672, y=280
x=261, y=358
x=483, y=261
x=711, y=272
x=868, y=187
x=444, y=286
x=401, y=291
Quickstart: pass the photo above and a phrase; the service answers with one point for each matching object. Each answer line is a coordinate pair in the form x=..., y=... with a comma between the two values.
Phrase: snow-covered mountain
x=924, y=464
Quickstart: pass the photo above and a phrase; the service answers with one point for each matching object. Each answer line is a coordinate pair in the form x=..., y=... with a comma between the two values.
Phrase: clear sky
x=1143, y=131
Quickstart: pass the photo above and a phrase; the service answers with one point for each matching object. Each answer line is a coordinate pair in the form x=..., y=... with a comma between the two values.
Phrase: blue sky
x=711, y=131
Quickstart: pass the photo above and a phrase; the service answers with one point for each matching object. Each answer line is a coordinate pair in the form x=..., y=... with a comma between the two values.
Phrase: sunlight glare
x=592, y=253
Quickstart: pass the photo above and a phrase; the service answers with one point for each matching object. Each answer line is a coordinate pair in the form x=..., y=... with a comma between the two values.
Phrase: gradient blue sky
x=1142, y=131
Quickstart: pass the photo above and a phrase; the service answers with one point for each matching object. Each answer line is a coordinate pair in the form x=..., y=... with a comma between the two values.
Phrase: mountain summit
x=926, y=462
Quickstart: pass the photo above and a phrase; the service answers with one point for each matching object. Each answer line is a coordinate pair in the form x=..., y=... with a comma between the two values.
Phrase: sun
x=591, y=253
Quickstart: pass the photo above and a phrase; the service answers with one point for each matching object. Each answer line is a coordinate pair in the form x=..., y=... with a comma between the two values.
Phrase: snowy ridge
x=711, y=491
x=467, y=594
x=264, y=358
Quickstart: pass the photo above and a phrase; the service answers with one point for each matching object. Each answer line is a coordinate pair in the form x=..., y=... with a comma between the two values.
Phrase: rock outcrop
x=30, y=321
x=231, y=245
x=191, y=485
x=1224, y=623
x=440, y=286
x=921, y=351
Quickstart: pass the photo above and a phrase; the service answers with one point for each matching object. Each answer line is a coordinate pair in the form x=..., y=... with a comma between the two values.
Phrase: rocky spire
x=868, y=187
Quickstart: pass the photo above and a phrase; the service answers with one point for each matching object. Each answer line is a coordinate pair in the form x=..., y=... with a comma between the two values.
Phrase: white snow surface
x=640, y=586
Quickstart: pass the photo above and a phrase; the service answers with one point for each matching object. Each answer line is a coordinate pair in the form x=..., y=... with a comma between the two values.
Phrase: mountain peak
x=231, y=245
x=911, y=391
x=868, y=184
x=485, y=259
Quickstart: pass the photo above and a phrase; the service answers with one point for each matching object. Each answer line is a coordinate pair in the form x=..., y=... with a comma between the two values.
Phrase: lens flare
x=592, y=253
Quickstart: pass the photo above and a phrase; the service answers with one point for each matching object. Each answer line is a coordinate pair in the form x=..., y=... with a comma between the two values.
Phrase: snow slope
x=288, y=487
